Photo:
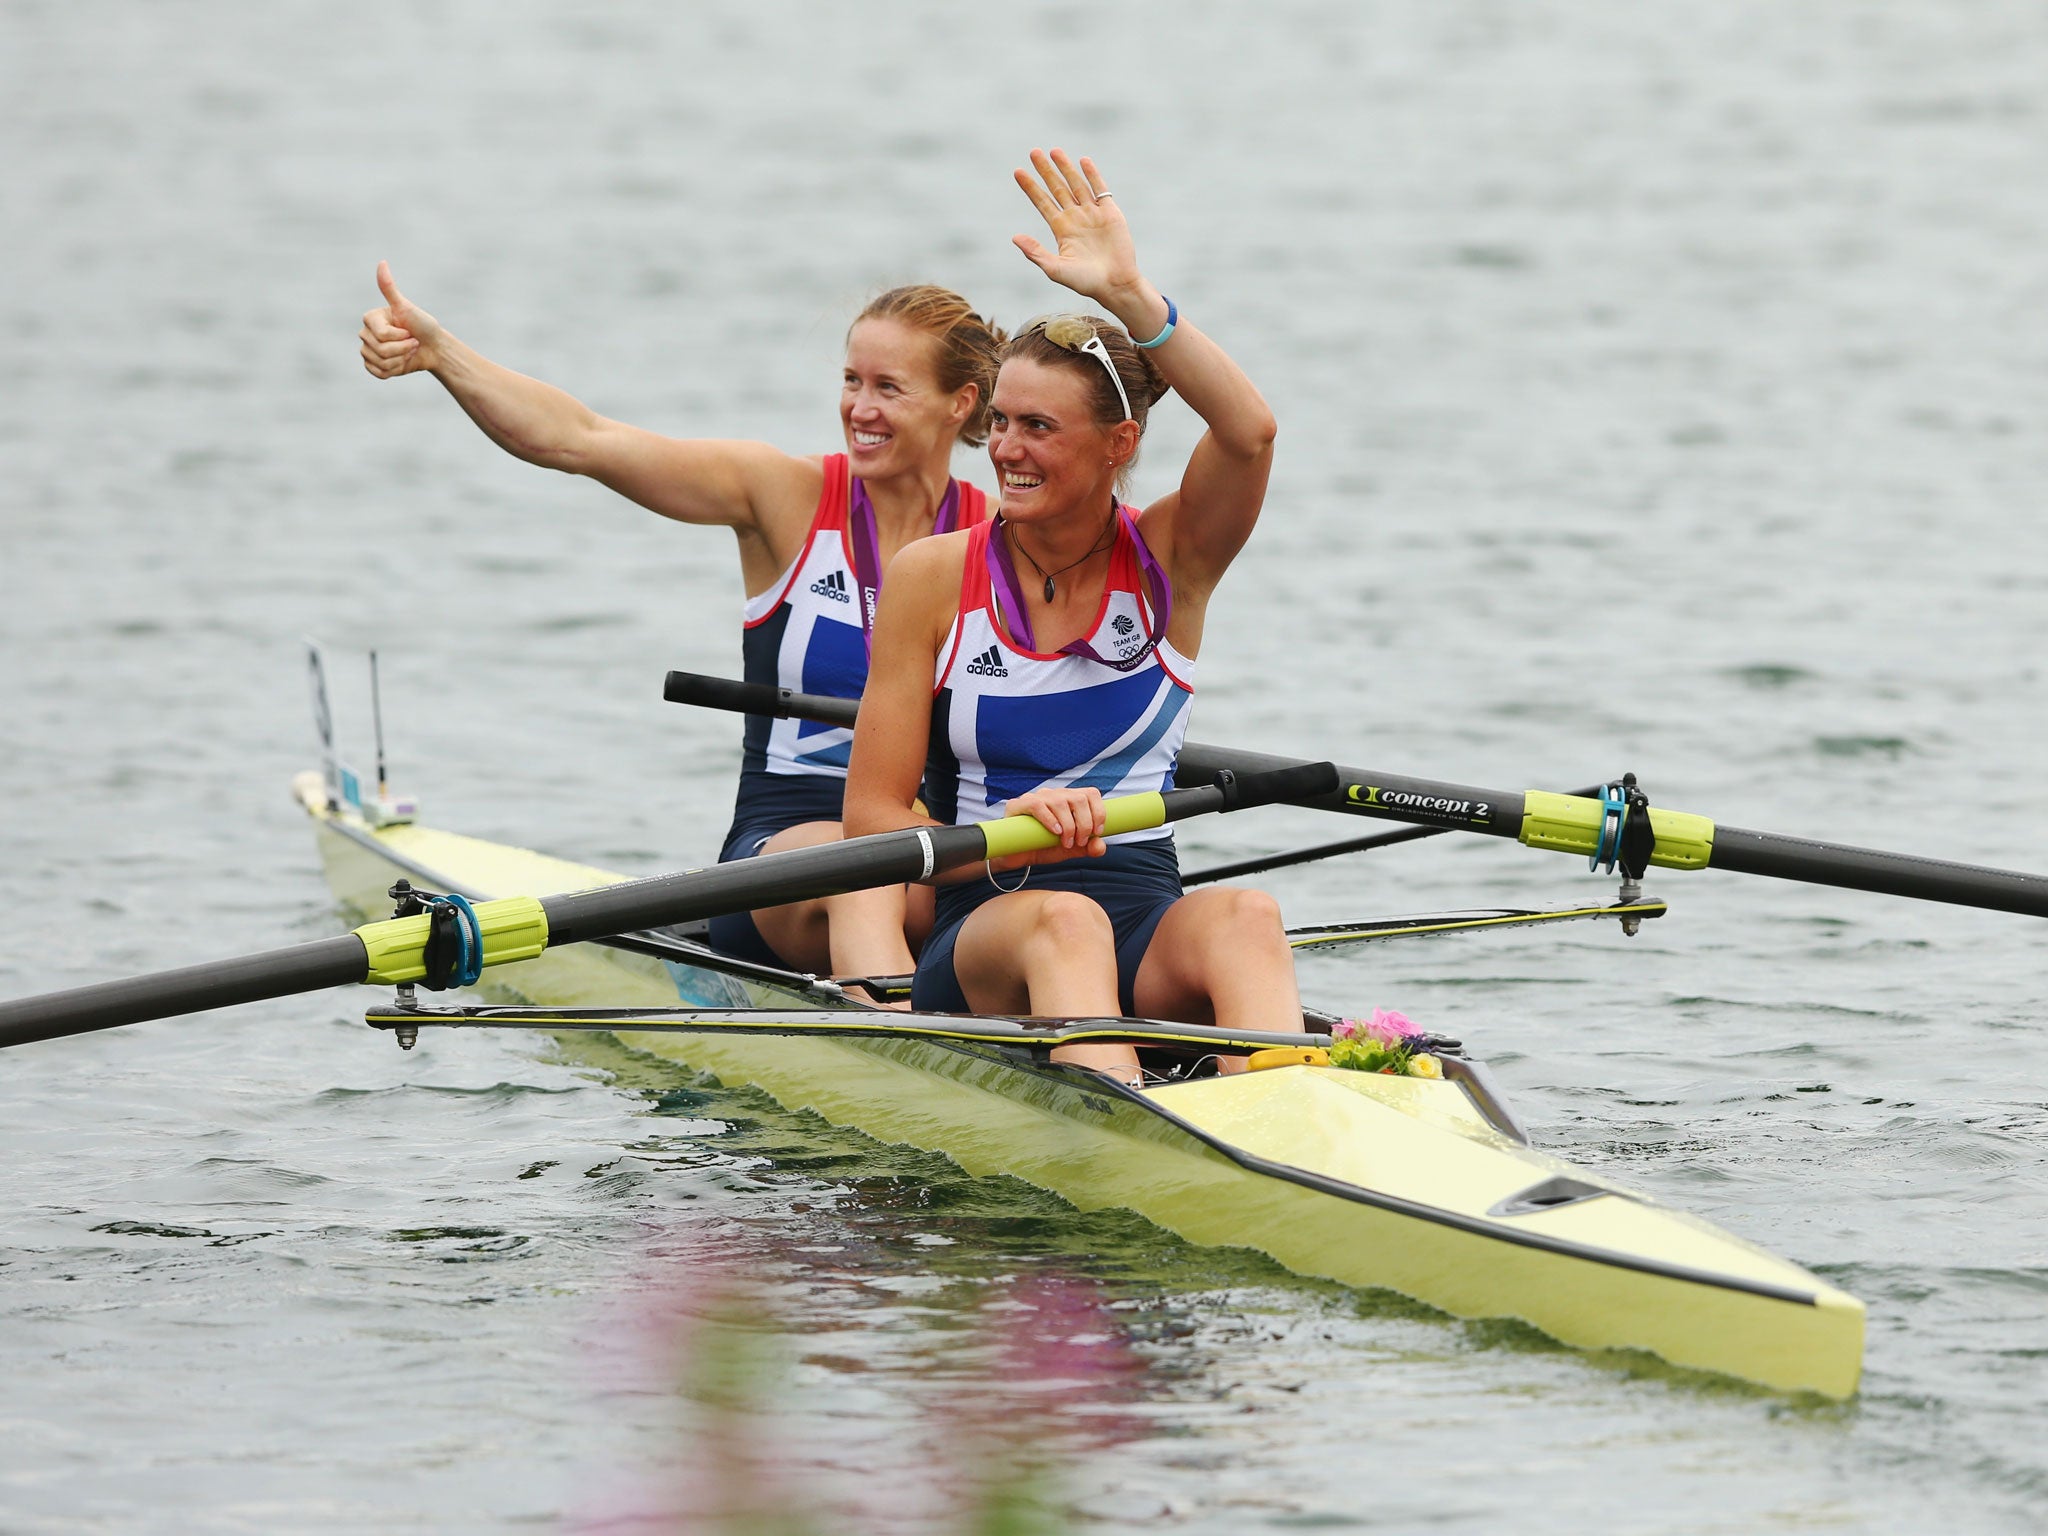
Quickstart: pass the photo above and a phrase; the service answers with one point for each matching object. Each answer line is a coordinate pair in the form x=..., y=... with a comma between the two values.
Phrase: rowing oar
x=394, y=951
x=784, y=704
x=1534, y=818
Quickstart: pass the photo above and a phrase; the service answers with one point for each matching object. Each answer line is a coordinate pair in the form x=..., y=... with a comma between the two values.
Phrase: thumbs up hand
x=398, y=337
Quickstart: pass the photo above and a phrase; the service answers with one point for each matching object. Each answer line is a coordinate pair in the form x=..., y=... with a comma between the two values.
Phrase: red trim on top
x=974, y=585
x=973, y=506
x=835, y=506
x=1178, y=682
x=952, y=655
x=832, y=503
x=973, y=594
x=837, y=494
x=1122, y=576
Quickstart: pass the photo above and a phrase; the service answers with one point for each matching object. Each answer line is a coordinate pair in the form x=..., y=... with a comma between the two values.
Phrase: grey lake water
x=1662, y=388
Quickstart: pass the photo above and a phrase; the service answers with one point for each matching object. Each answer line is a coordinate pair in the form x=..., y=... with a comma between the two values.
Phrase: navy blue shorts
x=1134, y=883
x=758, y=816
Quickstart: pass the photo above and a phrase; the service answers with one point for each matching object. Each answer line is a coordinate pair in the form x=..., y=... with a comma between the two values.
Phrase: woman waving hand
x=1047, y=658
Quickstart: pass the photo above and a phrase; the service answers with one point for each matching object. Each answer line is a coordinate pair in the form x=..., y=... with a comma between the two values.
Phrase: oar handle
x=1136, y=813
x=757, y=699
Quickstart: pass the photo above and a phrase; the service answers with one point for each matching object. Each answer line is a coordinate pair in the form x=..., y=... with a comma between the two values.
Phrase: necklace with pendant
x=1108, y=538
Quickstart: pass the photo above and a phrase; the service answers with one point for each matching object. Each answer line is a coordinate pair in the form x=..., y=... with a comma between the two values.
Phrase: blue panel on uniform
x=836, y=754
x=1028, y=741
x=1109, y=773
x=941, y=788
x=760, y=658
x=836, y=664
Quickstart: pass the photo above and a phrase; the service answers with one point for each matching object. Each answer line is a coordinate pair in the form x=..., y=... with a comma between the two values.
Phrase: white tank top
x=1007, y=720
x=808, y=633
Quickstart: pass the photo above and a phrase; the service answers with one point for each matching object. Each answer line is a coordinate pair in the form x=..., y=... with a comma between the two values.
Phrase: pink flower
x=1389, y=1028
x=1385, y=1026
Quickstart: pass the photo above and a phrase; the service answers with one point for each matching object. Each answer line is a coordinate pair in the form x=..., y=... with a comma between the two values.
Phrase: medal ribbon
x=1002, y=573
x=867, y=547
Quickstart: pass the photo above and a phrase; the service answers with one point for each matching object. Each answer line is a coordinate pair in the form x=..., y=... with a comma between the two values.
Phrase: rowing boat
x=1427, y=1187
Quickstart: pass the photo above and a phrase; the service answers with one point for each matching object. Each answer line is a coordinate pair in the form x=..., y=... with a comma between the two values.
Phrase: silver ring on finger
x=1103, y=197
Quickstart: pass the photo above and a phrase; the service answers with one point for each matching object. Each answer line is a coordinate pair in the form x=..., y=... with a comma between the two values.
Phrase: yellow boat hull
x=1397, y=1183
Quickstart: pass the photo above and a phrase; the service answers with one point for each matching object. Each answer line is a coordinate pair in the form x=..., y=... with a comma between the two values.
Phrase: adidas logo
x=833, y=585
x=988, y=664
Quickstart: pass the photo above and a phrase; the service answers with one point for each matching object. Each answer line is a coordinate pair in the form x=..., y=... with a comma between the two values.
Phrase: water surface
x=1660, y=390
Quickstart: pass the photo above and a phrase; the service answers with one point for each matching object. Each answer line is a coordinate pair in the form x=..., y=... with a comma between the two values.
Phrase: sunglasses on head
x=1075, y=334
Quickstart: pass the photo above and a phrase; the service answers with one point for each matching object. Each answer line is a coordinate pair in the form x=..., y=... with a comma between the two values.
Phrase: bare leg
x=1049, y=953
x=1220, y=956
x=860, y=933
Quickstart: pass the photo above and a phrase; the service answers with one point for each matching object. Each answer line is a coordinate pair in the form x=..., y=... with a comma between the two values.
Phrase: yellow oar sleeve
x=514, y=928
x=1571, y=824
x=1024, y=834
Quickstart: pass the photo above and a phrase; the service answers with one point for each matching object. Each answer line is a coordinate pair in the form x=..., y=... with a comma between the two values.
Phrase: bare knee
x=1254, y=907
x=884, y=901
x=1247, y=915
x=1071, y=923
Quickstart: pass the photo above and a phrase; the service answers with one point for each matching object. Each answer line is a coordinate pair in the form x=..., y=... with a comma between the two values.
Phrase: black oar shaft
x=247, y=979
x=1321, y=851
x=1385, y=796
x=1450, y=807
x=1537, y=819
x=1364, y=792
x=1869, y=869
x=801, y=874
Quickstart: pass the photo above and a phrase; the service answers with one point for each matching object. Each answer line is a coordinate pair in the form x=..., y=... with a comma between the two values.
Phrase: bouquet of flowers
x=1387, y=1042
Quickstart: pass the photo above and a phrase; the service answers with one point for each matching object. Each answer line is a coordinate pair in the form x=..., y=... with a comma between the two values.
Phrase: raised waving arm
x=1199, y=529
x=714, y=481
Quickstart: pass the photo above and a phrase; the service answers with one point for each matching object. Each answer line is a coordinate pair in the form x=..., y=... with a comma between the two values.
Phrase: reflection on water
x=1009, y=1385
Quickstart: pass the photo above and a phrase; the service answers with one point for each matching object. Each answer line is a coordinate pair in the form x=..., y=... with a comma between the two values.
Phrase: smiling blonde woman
x=815, y=535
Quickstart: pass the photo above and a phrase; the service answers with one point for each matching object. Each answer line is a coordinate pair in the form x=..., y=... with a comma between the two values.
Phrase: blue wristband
x=1172, y=319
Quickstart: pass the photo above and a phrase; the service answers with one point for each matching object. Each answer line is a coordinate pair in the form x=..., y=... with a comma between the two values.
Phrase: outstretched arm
x=1200, y=528
x=708, y=481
